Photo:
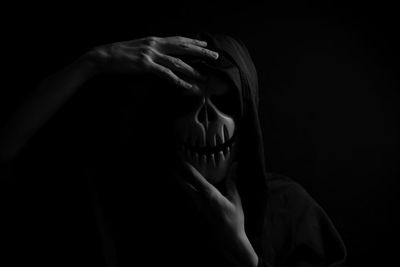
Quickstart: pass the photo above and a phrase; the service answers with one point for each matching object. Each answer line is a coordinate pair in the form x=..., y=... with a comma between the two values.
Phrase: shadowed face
x=206, y=127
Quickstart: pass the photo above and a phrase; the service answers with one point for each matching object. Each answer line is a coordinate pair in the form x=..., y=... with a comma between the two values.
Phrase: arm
x=154, y=55
x=42, y=104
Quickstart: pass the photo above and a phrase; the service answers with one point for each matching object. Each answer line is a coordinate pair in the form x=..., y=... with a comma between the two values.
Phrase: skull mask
x=206, y=128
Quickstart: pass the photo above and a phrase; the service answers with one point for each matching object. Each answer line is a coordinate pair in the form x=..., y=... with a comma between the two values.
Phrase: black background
x=328, y=86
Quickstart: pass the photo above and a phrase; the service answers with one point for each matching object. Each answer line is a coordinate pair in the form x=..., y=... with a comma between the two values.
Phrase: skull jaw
x=216, y=172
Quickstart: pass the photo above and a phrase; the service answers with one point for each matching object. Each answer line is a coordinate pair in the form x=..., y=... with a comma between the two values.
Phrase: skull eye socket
x=227, y=103
x=184, y=104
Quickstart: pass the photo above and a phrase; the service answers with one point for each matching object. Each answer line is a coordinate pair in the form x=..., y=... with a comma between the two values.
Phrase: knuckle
x=183, y=45
x=150, y=41
x=167, y=72
x=206, y=51
x=177, y=62
x=145, y=51
x=180, y=83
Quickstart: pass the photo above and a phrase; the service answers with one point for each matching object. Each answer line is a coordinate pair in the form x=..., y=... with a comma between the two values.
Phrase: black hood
x=236, y=63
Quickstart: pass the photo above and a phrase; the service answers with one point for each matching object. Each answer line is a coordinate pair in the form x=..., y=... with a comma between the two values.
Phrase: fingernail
x=216, y=55
x=186, y=86
x=190, y=89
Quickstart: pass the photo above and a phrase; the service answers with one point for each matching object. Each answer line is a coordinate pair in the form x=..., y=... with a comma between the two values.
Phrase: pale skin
x=150, y=55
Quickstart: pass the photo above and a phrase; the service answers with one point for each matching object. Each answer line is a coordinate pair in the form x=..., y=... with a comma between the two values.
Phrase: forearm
x=41, y=105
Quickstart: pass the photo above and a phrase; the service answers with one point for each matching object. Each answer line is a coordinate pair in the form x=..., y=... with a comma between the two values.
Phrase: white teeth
x=203, y=159
x=220, y=139
x=221, y=156
x=222, y=135
x=213, y=160
x=213, y=141
x=226, y=133
x=227, y=152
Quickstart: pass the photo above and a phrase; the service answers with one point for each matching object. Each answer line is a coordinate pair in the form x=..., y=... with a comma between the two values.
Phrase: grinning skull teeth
x=213, y=141
x=213, y=158
x=210, y=148
x=203, y=159
x=227, y=151
x=221, y=156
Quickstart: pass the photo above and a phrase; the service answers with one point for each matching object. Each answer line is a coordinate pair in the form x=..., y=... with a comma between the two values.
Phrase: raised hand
x=224, y=213
x=157, y=55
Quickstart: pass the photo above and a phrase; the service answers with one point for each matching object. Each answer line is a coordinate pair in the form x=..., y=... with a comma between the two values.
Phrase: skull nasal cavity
x=207, y=115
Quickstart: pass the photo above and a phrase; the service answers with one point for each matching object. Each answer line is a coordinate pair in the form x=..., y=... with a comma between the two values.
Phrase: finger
x=170, y=76
x=187, y=40
x=177, y=65
x=187, y=49
x=198, y=181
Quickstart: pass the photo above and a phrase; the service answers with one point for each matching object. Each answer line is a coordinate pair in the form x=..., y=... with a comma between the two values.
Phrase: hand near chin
x=223, y=212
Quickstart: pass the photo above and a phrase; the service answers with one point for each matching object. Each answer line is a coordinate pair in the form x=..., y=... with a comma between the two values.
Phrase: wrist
x=91, y=62
x=251, y=256
x=245, y=254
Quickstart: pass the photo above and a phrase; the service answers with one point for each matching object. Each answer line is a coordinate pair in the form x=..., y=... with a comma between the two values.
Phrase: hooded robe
x=151, y=222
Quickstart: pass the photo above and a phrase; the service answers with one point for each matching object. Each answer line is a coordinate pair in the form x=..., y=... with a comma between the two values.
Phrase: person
x=187, y=184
